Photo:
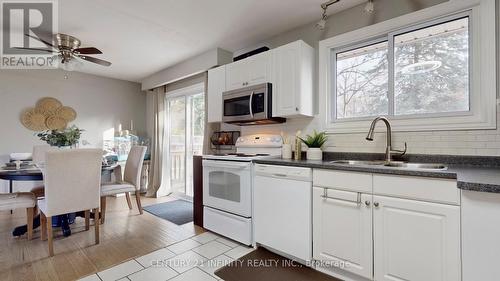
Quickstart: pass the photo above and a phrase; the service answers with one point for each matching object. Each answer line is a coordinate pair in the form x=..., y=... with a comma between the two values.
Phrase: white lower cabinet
x=415, y=240
x=391, y=237
x=343, y=230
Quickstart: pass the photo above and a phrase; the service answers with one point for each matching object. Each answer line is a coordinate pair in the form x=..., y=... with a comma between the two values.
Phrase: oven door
x=227, y=186
x=246, y=105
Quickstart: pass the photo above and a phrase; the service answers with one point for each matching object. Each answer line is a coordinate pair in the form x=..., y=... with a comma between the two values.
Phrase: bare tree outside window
x=431, y=74
x=362, y=82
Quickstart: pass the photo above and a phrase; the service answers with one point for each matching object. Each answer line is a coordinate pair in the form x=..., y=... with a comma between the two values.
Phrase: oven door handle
x=221, y=164
x=250, y=104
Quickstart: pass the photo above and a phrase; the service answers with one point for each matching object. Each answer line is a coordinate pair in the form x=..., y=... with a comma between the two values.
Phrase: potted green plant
x=68, y=137
x=314, y=143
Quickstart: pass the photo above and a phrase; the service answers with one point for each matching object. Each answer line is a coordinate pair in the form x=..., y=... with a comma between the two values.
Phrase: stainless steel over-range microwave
x=249, y=106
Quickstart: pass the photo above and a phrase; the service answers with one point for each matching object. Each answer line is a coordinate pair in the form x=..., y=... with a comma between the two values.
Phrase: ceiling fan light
x=71, y=65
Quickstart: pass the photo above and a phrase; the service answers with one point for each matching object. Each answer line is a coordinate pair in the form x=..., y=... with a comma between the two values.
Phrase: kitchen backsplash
x=473, y=142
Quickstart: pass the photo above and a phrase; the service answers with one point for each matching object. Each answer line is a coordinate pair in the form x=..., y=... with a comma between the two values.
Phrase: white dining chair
x=38, y=155
x=38, y=158
x=131, y=181
x=72, y=180
x=18, y=200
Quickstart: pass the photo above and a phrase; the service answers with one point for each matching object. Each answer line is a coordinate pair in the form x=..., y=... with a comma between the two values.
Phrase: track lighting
x=321, y=24
x=369, y=7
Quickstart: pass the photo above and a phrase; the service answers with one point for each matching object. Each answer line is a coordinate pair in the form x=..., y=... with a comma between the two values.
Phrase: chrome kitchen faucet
x=388, y=149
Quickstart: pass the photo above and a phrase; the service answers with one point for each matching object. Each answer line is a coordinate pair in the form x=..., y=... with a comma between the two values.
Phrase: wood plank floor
x=125, y=235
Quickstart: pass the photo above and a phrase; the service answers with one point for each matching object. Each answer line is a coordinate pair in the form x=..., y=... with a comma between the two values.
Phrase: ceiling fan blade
x=88, y=51
x=35, y=49
x=95, y=60
x=41, y=40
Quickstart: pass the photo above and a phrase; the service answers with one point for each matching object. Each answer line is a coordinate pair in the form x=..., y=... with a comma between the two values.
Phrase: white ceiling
x=143, y=37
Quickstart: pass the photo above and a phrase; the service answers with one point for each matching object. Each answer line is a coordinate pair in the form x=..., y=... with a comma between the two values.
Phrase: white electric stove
x=228, y=187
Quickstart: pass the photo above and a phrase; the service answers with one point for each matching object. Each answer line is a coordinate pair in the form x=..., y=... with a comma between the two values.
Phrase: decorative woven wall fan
x=48, y=114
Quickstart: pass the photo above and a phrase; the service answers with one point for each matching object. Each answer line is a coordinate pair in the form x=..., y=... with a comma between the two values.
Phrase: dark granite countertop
x=484, y=178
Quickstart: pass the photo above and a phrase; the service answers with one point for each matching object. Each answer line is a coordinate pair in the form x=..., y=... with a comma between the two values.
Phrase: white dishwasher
x=283, y=209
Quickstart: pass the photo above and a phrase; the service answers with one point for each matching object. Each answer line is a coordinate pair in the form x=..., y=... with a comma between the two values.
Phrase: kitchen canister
x=286, y=151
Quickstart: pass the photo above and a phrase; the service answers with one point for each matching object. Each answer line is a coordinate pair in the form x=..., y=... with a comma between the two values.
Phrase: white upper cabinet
x=259, y=69
x=415, y=240
x=292, y=78
x=216, y=86
x=250, y=71
x=289, y=68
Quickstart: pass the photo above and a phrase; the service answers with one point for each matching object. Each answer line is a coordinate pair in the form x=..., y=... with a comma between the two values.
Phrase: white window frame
x=482, y=69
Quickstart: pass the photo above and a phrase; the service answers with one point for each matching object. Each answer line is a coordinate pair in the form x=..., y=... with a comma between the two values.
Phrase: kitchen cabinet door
x=342, y=230
x=415, y=240
x=248, y=72
x=292, y=72
x=286, y=86
x=237, y=74
x=259, y=69
x=216, y=86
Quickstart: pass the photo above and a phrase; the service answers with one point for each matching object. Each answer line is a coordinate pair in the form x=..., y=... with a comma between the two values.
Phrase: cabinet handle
x=367, y=203
x=325, y=196
x=375, y=204
x=250, y=104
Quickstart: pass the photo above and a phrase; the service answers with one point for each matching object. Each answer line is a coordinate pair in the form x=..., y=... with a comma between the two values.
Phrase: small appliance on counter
x=224, y=141
x=228, y=187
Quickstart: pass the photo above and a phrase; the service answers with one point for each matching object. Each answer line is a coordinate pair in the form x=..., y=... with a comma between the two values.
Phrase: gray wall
x=101, y=104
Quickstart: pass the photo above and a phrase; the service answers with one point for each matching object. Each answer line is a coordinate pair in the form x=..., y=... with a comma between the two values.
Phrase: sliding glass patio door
x=185, y=128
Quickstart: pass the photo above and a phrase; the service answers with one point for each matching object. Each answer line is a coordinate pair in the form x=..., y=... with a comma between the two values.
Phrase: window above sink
x=428, y=70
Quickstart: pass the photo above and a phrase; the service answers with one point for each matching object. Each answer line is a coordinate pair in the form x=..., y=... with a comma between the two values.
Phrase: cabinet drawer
x=426, y=189
x=351, y=181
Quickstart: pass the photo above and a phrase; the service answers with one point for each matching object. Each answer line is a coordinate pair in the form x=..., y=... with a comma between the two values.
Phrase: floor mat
x=179, y=211
x=263, y=265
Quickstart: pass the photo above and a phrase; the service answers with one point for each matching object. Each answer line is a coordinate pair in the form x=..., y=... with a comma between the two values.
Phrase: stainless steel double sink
x=392, y=164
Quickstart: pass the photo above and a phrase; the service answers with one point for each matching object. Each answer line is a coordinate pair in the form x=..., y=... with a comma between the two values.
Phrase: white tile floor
x=194, y=259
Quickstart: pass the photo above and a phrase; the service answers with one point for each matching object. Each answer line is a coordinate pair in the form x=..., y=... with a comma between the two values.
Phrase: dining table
x=35, y=174
x=32, y=173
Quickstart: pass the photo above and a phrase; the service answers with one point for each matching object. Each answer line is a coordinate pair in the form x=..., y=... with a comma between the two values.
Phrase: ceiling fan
x=67, y=48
